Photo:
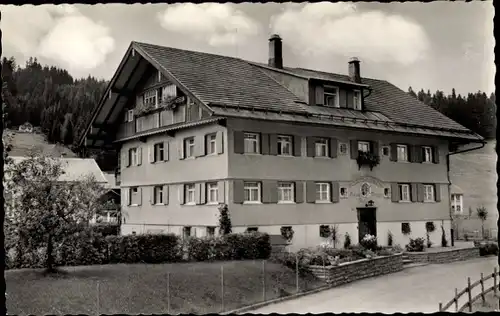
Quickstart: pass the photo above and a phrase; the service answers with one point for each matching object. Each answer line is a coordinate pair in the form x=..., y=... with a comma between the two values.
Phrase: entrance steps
x=408, y=263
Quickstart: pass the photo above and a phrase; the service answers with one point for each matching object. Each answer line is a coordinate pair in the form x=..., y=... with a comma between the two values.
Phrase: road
x=417, y=289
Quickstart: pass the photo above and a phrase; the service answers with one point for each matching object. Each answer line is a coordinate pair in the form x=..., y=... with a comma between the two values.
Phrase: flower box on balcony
x=367, y=159
x=167, y=103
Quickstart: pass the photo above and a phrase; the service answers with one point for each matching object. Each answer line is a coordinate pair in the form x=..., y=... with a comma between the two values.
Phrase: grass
x=490, y=304
x=140, y=288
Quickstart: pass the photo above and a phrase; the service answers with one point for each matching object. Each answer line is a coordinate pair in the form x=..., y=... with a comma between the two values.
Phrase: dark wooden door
x=367, y=222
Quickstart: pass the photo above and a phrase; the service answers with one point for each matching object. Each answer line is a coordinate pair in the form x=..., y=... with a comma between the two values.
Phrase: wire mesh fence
x=199, y=287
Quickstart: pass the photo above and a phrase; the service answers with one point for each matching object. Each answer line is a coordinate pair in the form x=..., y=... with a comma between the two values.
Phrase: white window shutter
x=165, y=194
x=139, y=200
x=126, y=195
x=151, y=153
x=152, y=195
x=139, y=156
x=181, y=149
x=220, y=191
x=166, y=151
x=219, y=142
x=124, y=159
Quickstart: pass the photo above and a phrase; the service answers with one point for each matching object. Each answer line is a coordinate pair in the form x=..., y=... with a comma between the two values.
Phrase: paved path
x=418, y=289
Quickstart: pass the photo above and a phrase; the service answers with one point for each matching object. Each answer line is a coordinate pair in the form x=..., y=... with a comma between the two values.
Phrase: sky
x=439, y=45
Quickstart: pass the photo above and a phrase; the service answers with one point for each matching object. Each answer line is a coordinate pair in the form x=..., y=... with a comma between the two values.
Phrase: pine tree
x=225, y=226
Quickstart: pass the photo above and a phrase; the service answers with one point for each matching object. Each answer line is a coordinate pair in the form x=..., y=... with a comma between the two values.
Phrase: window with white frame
x=322, y=192
x=402, y=152
x=285, y=192
x=211, y=143
x=212, y=193
x=159, y=152
x=189, y=193
x=429, y=193
x=343, y=148
x=364, y=146
x=357, y=99
x=404, y=193
x=133, y=156
x=284, y=145
x=343, y=192
x=251, y=143
x=427, y=154
x=158, y=194
x=189, y=147
x=150, y=98
x=321, y=147
x=331, y=96
x=130, y=115
x=457, y=201
x=252, y=192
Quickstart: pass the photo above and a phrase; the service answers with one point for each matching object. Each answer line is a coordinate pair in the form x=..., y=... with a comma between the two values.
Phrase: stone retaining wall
x=351, y=271
x=444, y=256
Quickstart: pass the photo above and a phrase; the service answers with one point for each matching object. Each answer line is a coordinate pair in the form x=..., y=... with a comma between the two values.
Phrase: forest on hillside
x=49, y=97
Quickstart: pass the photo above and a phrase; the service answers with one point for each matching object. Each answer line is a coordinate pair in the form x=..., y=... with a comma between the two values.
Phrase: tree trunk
x=49, y=263
x=482, y=228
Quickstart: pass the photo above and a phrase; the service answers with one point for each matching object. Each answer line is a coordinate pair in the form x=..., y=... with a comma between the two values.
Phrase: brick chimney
x=354, y=72
x=275, y=52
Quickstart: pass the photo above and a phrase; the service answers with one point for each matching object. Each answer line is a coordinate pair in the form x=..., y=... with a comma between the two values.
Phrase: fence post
x=482, y=288
x=495, y=281
x=469, y=294
x=222, y=286
x=168, y=292
x=297, y=271
x=263, y=280
x=456, y=300
x=98, y=299
x=440, y=307
x=324, y=270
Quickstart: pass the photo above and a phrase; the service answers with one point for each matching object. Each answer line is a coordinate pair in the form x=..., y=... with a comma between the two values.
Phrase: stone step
x=413, y=265
x=407, y=261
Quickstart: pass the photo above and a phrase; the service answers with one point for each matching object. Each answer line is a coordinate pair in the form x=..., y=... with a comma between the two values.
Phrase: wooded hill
x=49, y=97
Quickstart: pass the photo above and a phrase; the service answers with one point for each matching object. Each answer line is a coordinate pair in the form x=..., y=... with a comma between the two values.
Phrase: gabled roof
x=223, y=84
x=75, y=169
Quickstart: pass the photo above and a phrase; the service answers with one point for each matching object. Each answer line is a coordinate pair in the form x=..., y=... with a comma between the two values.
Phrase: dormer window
x=331, y=96
x=357, y=100
x=150, y=98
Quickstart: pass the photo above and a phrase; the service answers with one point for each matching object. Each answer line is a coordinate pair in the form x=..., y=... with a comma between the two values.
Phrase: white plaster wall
x=417, y=230
x=198, y=231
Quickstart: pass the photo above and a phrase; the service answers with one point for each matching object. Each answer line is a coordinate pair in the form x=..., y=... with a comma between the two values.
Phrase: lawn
x=142, y=288
x=490, y=305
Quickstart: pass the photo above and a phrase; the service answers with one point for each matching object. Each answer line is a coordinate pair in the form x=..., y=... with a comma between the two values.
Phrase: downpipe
x=483, y=143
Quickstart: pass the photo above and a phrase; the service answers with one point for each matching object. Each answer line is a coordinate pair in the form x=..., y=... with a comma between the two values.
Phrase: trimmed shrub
x=389, y=239
x=369, y=242
x=106, y=230
x=489, y=248
x=416, y=245
x=347, y=241
x=198, y=249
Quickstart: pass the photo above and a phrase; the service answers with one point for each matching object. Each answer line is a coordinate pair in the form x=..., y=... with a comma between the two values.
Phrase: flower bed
x=355, y=270
x=444, y=255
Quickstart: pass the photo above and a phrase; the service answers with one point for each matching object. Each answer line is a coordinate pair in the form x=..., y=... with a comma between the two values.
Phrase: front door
x=367, y=222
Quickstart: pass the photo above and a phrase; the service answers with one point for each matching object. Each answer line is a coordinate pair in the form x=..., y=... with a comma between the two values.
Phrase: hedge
x=89, y=248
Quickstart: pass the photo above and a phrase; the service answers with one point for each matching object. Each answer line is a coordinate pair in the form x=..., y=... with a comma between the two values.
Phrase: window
x=252, y=191
x=150, y=98
x=285, y=145
x=429, y=193
x=364, y=147
x=159, y=154
x=211, y=144
x=186, y=232
x=385, y=151
x=133, y=156
x=169, y=91
x=321, y=147
x=402, y=152
x=457, y=203
x=387, y=192
x=324, y=231
x=189, y=194
x=212, y=193
x=357, y=100
x=133, y=196
x=404, y=192
x=189, y=147
x=210, y=231
x=158, y=195
x=138, y=124
x=365, y=189
x=343, y=193
x=331, y=96
x=322, y=192
x=285, y=192
x=251, y=143
x=343, y=148
x=252, y=229
x=427, y=154
x=130, y=115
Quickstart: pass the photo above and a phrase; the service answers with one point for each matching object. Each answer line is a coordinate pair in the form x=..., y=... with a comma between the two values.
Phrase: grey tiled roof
x=233, y=82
